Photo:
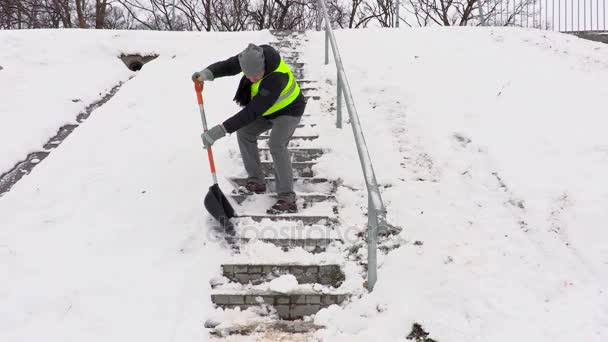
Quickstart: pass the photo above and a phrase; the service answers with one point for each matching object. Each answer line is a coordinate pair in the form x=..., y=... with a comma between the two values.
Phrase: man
x=270, y=98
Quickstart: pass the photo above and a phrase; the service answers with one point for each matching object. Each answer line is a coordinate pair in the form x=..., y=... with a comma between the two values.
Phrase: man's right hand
x=203, y=75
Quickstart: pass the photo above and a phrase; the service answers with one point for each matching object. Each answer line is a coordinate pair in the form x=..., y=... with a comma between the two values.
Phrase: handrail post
x=397, y=13
x=372, y=244
x=339, y=103
x=319, y=15
x=482, y=18
x=326, y=44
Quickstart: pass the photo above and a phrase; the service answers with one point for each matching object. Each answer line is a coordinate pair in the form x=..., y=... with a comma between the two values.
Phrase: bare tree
x=196, y=14
x=443, y=12
x=353, y=14
x=62, y=9
x=281, y=14
x=100, y=13
x=80, y=13
x=382, y=11
x=230, y=15
x=238, y=15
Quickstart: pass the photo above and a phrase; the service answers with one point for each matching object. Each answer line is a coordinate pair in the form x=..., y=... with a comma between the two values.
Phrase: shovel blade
x=218, y=206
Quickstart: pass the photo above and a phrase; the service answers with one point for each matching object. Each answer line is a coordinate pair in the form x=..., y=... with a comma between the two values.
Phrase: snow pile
x=284, y=284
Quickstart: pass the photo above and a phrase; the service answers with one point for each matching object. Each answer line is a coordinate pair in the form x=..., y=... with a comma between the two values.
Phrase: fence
x=556, y=15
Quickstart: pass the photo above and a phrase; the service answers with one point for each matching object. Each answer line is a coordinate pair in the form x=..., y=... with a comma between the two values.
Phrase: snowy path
x=293, y=265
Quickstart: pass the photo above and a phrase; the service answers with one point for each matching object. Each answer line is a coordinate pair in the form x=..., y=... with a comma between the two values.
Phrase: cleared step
x=290, y=54
x=300, y=169
x=301, y=137
x=270, y=180
x=300, y=184
x=290, y=58
x=300, y=125
x=311, y=92
x=295, y=65
x=304, y=131
x=306, y=125
x=297, y=154
x=273, y=331
x=306, y=90
x=288, y=306
x=304, y=219
x=310, y=245
x=285, y=43
x=307, y=198
x=287, y=32
x=305, y=274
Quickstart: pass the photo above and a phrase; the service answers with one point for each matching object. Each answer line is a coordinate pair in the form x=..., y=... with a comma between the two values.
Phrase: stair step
x=290, y=54
x=287, y=32
x=288, y=306
x=300, y=125
x=301, y=137
x=306, y=125
x=305, y=274
x=301, y=184
x=278, y=331
x=305, y=131
x=297, y=154
x=300, y=169
x=306, y=220
x=308, y=89
x=285, y=43
x=297, y=181
x=294, y=63
x=290, y=58
x=310, y=92
x=307, y=198
x=310, y=245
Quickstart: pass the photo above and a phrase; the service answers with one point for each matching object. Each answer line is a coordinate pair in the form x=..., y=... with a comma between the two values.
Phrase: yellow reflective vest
x=288, y=94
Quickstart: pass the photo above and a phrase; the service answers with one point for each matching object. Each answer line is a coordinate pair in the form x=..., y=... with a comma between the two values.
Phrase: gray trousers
x=282, y=127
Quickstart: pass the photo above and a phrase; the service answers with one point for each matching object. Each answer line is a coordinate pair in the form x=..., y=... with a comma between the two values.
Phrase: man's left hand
x=215, y=133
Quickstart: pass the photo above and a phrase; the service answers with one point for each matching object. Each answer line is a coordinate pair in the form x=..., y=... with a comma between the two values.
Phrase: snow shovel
x=215, y=202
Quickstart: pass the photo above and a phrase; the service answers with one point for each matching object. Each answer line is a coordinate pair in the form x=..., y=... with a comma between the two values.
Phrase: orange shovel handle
x=198, y=87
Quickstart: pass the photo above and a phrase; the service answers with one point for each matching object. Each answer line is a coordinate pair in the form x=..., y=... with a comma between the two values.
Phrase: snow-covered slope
x=106, y=240
x=490, y=145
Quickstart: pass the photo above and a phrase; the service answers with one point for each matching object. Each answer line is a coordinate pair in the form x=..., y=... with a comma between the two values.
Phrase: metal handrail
x=376, y=212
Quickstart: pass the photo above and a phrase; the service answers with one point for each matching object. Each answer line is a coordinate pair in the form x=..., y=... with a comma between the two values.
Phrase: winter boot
x=255, y=187
x=249, y=189
x=283, y=206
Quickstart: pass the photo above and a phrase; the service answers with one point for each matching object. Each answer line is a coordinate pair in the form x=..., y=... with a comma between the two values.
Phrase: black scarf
x=243, y=92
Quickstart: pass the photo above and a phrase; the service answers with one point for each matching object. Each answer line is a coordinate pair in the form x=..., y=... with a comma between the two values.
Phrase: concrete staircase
x=313, y=191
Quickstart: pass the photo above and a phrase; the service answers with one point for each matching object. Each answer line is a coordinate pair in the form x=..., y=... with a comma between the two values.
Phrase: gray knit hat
x=252, y=60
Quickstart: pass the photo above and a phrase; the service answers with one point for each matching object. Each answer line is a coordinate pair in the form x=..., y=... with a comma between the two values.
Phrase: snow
x=283, y=284
x=488, y=145
x=47, y=80
x=107, y=238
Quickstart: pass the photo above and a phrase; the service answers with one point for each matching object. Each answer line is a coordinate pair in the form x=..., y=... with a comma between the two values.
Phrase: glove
x=215, y=133
x=202, y=76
